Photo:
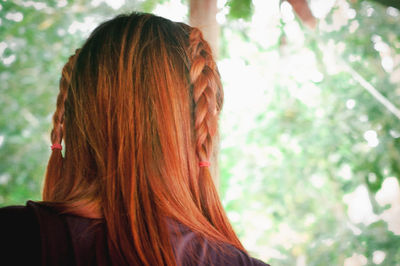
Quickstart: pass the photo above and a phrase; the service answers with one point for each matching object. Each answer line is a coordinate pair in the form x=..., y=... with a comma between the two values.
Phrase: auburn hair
x=137, y=111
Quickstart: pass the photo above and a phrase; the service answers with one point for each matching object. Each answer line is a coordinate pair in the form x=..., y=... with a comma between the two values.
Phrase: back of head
x=138, y=112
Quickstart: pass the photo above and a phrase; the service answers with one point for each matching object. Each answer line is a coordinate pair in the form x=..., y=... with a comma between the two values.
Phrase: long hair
x=138, y=111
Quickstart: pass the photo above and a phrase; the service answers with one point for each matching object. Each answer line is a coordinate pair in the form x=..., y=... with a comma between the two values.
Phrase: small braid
x=54, y=167
x=205, y=84
x=58, y=117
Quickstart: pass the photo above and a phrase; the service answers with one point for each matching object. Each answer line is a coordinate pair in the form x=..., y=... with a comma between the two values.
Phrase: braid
x=55, y=165
x=208, y=98
x=58, y=117
x=206, y=86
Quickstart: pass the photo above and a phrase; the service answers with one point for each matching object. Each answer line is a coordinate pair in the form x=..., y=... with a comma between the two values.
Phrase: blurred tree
x=243, y=9
x=203, y=14
x=240, y=9
x=393, y=3
x=303, y=11
x=319, y=148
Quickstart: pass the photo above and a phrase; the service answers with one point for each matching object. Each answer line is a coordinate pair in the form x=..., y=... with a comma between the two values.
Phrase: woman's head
x=138, y=111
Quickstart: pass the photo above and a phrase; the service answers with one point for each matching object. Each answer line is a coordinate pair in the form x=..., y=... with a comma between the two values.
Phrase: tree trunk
x=203, y=16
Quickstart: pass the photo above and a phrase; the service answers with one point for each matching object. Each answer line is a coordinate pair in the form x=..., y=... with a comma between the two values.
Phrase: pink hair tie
x=56, y=146
x=204, y=164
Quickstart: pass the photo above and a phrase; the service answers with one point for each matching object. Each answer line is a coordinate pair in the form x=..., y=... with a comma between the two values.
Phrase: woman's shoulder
x=17, y=220
x=192, y=249
x=21, y=218
x=232, y=256
x=20, y=236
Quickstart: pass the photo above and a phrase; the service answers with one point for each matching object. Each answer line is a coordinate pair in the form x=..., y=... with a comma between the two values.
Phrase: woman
x=138, y=112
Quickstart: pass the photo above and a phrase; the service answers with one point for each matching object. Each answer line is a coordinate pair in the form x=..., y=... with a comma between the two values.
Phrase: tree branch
x=373, y=91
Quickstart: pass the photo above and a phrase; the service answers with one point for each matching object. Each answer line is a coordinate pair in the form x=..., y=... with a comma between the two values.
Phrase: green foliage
x=240, y=9
x=149, y=5
x=312, y=142
x=393, y=3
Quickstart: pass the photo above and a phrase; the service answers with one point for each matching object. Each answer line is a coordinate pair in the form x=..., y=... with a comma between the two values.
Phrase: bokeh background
x=310, y=132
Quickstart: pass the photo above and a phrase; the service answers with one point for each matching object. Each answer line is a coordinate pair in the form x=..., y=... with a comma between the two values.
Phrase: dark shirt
x=36, y=234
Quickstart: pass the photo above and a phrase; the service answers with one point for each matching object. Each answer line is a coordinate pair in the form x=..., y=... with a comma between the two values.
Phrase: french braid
x=206, y=93
x=208, y=98
x=55, y=165
x=58, y=117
